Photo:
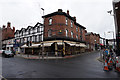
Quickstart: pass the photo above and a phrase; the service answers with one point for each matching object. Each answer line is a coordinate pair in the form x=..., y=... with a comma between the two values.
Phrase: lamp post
x=113, y=37
x=42, y=36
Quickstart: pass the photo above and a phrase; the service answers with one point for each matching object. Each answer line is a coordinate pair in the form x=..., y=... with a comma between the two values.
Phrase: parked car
x=1, y=51
x=7, y=54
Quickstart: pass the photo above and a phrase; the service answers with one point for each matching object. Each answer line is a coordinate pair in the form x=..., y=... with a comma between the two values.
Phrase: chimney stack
x=3, y=26
x=59, y=10
x=67, y=12
x=13, y=29
x=8, y=24
x=74, y=18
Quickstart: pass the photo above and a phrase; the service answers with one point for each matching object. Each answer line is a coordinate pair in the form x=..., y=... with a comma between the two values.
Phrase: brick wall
x=59, y=23
x=7, y=32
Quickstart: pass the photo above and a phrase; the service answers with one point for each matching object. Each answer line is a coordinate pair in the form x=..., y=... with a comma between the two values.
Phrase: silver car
x=7, y=54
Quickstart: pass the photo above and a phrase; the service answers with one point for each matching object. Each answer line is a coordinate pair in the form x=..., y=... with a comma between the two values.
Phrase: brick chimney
x=67, y=12
x=3, y=26
x=59, y=10
x=8, y=24
x=13, y=29
x=74, y=18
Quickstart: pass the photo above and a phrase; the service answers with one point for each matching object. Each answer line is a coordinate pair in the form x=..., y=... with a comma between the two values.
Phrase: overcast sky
x=92, y=14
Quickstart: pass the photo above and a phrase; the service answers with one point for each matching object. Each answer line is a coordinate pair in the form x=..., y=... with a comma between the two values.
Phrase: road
x=83, y=66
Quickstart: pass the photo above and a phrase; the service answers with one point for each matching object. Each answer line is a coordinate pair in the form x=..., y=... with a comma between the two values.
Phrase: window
x=35, y=38
x=66, y=20
x=76, y=28
x=71, y=34
x=31, y=31
x=50, y=21
x=71, y=23
x=38, y=29
x=49, y=33
x=76, y=36
x=66, y=33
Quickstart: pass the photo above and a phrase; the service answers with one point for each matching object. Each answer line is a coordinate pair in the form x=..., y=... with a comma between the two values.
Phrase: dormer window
x=50, y=21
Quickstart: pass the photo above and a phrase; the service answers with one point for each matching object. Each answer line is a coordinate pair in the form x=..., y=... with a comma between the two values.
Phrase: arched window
x=50, y=21
x=49, y=33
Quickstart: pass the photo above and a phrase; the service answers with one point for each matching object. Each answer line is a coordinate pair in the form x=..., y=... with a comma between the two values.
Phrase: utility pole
x=43, y=35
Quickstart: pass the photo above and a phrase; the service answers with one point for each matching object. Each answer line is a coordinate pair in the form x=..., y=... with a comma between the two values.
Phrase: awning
x=24, y=46
x=71, y=44
x=9, y=45
x=102, y=44
x=60, y=43
x=82, y=45
x=77, y=45
x=47, y=44
x=34, y=45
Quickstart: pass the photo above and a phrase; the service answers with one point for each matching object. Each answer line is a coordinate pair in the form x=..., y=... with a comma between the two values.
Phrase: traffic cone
x=109, y=62
x=117, y=67
x=106, y=66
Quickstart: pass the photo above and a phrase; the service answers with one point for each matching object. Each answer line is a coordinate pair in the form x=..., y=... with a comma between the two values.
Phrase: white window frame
x=66, y=21
x=66, y=32
x=71, y=34
x=50, y=21
x=71, y=23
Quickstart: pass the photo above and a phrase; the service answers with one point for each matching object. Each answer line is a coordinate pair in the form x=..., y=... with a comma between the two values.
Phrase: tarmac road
x=83, y=66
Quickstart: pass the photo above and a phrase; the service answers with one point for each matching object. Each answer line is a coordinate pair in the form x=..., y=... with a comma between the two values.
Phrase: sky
x=92, y=14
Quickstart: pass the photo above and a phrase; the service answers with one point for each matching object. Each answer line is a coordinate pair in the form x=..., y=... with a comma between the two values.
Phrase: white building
x=32, y=34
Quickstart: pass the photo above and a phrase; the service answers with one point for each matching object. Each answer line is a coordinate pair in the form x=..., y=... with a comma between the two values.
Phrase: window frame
x=50, y=21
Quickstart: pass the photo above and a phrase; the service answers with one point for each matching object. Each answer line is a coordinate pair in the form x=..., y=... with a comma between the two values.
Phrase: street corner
x=100, y=59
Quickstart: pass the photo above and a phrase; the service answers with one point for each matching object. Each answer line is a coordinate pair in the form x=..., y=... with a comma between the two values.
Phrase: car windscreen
x=8, y=52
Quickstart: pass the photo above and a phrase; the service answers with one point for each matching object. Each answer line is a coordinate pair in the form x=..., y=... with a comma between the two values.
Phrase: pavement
x=50, y=57
x=101, y=59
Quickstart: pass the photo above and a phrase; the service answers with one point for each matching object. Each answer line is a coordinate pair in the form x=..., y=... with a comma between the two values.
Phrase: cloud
x=90, y=13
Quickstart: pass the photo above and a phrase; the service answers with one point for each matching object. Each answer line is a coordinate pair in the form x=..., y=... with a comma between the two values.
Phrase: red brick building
x=61, y=27
x=7, y=32
x=116, y=8
x=7, y=36
x=93, y=41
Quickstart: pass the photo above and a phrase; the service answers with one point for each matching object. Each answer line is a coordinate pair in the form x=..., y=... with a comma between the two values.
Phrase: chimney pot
x=8, y=24
x=68, y=12
x=59, y=10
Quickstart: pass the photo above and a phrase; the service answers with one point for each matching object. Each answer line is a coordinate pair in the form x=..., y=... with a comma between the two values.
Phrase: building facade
x=92, y=40
x=65, y=35
x=7, y=32
x=28, y=40
x=116, y=8
x=0, y=38
x=7, y=36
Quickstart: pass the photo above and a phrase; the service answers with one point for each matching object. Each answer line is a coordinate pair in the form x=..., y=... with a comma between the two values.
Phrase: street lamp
x=42, y=35
x=113, y=37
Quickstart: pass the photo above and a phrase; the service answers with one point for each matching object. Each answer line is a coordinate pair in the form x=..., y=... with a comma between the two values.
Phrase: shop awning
x=34, y=45
x=24, y=46
x=82, y=45
x=60, y=43
x=9, y=45
x=47, y=44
